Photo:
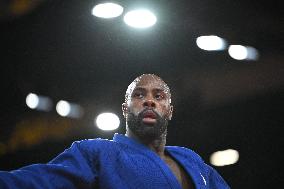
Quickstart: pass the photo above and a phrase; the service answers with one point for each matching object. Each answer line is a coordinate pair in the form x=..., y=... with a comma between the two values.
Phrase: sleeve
x=70, y=169
x=215, y=179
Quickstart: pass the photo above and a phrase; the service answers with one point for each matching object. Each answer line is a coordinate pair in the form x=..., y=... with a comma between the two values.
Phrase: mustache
x=148, y=109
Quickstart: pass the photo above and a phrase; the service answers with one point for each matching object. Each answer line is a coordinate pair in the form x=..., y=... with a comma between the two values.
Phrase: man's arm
x=70, y=169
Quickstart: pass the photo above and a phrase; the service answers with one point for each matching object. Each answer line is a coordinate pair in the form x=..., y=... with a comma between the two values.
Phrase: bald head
x=146, y=78
x=147, y=107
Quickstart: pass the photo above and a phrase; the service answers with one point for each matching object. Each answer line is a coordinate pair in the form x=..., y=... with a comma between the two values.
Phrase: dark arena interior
x=60, y=51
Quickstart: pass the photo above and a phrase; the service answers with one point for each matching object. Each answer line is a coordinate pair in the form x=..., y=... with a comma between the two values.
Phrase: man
x=137, y=160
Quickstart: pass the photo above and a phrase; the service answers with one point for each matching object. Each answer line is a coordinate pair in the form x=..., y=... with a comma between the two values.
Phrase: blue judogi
x=121, y=163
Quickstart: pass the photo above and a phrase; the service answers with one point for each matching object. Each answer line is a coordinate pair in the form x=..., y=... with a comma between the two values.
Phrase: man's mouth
x=149, y=117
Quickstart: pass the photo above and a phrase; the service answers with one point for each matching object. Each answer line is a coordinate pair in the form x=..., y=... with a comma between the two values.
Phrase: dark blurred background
x=60, y=50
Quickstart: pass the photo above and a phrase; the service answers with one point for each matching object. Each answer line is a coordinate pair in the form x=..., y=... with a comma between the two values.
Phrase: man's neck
x=155, y=144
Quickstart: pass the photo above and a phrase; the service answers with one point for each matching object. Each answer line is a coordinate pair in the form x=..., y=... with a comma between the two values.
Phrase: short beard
x=142, y=130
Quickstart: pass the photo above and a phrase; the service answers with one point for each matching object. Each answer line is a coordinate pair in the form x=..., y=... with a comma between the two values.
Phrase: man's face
x=147, y=108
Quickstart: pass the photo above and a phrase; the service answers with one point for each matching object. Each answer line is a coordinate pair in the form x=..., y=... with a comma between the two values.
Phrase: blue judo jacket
x=121, y=163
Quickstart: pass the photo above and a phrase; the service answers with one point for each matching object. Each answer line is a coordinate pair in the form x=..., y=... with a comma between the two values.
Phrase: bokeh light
x=226, y=157
x=240, y=52
x=63, y=108
x=38, y=102
x=107, y=10
x=107, y=121
x=211, y=43
x=140, y=18
x=32, y=100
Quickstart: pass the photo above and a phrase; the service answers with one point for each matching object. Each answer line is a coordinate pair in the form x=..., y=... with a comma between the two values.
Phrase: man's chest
x=181, y=175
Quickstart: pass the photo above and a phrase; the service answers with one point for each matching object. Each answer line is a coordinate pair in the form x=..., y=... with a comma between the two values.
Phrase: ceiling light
x=141, y=18
x=38, y=102
x=107, y=10
x=240, y=52
x=211, y=43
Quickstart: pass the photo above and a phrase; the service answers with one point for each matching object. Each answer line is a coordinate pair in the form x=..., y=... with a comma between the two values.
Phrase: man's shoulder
x=87, y=149
x=99, y=141
x=96, y=143
x=184, y=152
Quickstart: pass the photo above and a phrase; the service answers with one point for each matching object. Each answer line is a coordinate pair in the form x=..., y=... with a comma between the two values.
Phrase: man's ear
x=124, y=109
x=170, y=114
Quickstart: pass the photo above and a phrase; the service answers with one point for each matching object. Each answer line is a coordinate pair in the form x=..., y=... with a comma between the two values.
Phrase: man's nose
x=149, y=103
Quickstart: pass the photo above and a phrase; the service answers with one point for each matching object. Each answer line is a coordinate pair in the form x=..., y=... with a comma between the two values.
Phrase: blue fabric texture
x=121, y=163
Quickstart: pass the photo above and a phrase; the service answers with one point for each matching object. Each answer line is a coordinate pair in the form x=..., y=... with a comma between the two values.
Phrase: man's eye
x=138, y=95
x=159, y=96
